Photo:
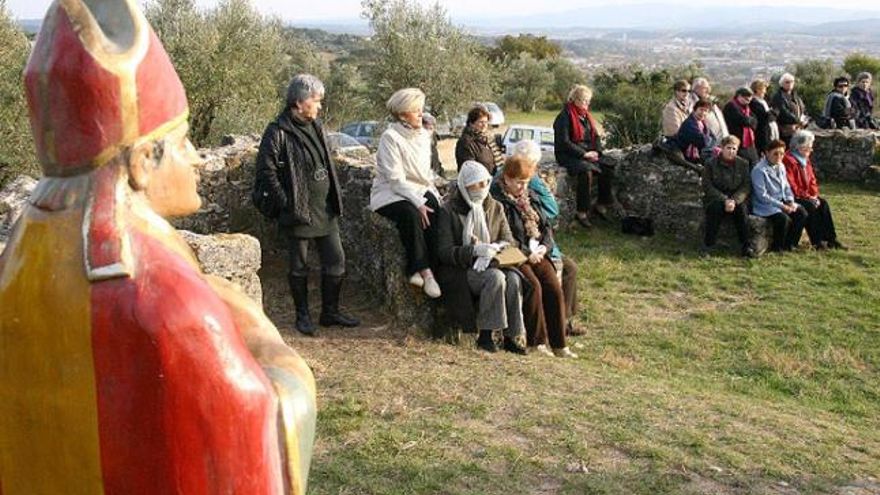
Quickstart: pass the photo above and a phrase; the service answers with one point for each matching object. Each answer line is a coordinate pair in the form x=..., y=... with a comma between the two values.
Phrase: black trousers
x=715, y=214
x=417, y=242
x=584, y=184
x=329, y=251
x=820, y=225
x=787, y=229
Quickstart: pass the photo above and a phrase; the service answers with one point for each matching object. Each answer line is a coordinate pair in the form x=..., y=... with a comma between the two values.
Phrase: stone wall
x=844, y=155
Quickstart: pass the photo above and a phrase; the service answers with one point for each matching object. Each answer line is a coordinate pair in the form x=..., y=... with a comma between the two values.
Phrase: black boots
x=486, y=342
x=330, y=314
x=299, y=288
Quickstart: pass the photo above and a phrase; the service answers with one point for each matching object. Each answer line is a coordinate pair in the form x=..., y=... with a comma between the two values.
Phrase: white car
x=366, y=132
x=345, y=144
x=517, y=132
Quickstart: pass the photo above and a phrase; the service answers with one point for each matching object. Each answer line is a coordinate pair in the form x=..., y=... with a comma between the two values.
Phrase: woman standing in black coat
x=768, y=129
x=578, y=148
x=294, y=161
x=789, y=107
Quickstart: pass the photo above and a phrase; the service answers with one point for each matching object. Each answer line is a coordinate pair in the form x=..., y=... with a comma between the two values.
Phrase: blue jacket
x=770, y=189
x=689, y=134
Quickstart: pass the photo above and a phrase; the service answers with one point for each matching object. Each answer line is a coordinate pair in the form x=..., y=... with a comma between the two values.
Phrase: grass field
x=539, y=117
x=698, y=376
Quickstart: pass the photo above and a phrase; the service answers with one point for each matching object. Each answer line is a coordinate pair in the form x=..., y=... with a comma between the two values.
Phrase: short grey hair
x=406, y=100
x=802, y=138
x=580, y=92
x=528, y=149
x=864, y=75
x=302, y=87
x=699, y=82
x=786, y=77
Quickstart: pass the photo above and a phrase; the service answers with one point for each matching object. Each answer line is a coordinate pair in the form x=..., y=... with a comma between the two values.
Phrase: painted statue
x=123, y=368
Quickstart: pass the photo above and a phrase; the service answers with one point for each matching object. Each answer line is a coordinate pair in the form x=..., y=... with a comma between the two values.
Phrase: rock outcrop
x=845, y=155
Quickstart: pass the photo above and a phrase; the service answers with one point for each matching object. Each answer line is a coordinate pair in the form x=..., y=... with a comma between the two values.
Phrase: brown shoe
x=574, y=330
x=584, y=220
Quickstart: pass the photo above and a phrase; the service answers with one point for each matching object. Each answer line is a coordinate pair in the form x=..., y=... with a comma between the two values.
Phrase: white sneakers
x=540, y=349
x=417, y=280
x=431, y=288
x=565, y=352
x=428, y=284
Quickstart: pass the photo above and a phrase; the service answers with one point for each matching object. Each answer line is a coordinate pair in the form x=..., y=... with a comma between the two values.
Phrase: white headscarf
x=475, y=224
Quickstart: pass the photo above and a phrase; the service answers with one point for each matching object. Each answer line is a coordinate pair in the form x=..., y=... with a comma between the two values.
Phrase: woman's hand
x=424, y=210
x=592, y=156
x=536, y=257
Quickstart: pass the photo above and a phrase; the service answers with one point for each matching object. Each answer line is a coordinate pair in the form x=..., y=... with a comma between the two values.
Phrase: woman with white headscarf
x=471, y=229
x=403, y=190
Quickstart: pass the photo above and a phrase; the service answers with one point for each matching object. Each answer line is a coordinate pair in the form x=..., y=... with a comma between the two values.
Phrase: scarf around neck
x=748, y=137
x=528, y=214
x=577, y=128
x=476, y=227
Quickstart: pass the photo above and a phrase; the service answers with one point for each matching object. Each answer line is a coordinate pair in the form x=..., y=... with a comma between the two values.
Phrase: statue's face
x=171, y=188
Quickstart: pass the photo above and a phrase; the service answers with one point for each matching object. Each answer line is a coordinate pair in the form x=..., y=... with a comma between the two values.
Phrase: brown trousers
x=569, y=287
x=544, y=309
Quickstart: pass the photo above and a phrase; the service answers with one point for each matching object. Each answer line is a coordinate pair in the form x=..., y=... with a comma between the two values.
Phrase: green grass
x=539, y=117
x=711, y=376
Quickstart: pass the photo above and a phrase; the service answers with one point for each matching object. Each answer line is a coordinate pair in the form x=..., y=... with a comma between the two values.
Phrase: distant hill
x=30, y=26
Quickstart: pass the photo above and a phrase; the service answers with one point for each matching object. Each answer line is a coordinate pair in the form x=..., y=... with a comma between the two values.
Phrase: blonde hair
x=406, y=100
x=580, y=93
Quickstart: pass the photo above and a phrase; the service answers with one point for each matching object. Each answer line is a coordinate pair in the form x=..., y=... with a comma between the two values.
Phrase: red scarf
x=577, y=129
x=748, y=137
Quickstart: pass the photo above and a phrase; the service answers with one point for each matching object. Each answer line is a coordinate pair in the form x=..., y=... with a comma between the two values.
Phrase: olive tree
x=527, y=81
x=419, y=47
x=231, y=60
x=16, y=147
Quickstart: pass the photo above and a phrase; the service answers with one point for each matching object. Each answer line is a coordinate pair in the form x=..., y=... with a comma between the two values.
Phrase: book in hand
x=509, y=256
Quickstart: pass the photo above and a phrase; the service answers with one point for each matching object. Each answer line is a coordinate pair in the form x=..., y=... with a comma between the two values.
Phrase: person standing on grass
x=403, y=189
x=767, y=129
x=477, y=143
x=295, y=161
x=772, y=198
x=802, y=179
x=726, y=188
x=469, y=226
x=578, y=148
x=790, y=108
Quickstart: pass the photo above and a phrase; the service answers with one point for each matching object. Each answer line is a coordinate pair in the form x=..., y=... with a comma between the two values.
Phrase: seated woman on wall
x=726, y=188
x=838, y=112
x=802, y=179
x=677, y=109
x=476, y=143
x=578, y=148
x=767, y=129
x=531, y=151
x=773, y=199
x=469, y=226
x=702, y=90
x=403, y=190
x=742, y=123
x=862, y=99
x=544, y=310
x=694, y=135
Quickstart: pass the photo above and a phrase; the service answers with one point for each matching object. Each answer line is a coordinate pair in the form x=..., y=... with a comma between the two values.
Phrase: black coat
x=789, y=110
x=570, y=154
x=737, y=121
x=863, y=105
x=282, y=161
x=765, y=116
x=455, y=259
x=840, y=111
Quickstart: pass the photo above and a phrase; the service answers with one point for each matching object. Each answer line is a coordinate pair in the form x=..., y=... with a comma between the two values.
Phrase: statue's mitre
x=98, y=80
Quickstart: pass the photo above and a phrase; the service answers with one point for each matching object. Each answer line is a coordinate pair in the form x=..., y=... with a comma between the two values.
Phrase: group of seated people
x=781, y=187
x=746, y=167
x=461, y=248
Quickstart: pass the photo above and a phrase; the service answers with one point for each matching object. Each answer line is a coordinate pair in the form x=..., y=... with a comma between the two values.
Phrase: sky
x=328, y=10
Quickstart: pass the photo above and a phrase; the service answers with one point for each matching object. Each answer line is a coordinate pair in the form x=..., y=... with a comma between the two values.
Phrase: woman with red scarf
x=742, y=123
x=578, y=148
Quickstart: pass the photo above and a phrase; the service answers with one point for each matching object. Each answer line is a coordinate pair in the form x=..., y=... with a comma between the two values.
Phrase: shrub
x=16, y=148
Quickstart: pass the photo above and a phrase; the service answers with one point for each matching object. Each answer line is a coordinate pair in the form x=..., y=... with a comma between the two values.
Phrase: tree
x=420, y=47
x=510, y=47
x=632, y=100
x=527, y=81
x=16, y=148
x=231, y=61
x=346, y=95
x=565, y=75
x=856, y=63
x=815, y=79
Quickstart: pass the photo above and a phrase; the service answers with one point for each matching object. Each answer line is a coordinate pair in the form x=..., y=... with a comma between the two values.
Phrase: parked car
x=517, y=132
x=345, y=144
x=365, y=132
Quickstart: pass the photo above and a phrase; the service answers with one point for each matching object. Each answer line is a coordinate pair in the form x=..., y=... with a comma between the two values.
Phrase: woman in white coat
x=403, y=189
